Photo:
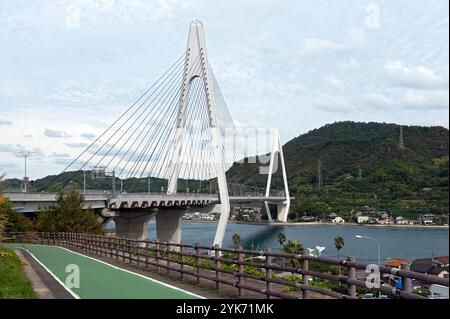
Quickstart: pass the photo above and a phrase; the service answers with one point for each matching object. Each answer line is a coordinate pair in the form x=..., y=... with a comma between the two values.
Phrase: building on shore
x=437, y=266
x=362, y=219
x=338, y=220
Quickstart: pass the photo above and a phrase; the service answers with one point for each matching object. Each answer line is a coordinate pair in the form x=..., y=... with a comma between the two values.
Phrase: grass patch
x=13, y=282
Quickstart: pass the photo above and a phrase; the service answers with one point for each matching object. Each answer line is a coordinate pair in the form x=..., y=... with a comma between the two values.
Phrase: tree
x=3, y=214
x=17, y=222
x=293, y=247
x=4, y=207
x=339, y=244
x=68, y=215
x=236, y=240
x=281, y=238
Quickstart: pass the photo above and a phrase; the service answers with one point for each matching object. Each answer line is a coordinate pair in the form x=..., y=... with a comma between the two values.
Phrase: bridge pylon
x=282, y=208
x=197, y=66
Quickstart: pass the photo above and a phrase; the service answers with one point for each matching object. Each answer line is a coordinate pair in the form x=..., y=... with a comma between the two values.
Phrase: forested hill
x=407, y=181
x=404, y=182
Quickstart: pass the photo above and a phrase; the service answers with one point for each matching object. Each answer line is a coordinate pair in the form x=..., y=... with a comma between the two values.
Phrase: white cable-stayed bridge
x=178, y=129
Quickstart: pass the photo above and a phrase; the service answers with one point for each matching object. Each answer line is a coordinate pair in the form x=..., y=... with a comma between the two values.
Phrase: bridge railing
x=249, y=273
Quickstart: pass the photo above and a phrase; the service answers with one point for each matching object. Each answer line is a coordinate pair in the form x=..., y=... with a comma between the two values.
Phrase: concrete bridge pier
x=133, y=225
x=282, y=211
x=168, y=225
x=104, y=215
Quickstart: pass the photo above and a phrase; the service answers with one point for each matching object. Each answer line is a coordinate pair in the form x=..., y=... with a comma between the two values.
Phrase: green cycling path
x=101, y=280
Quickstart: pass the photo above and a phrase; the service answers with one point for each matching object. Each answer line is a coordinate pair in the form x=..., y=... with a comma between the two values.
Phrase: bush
x=68, y=215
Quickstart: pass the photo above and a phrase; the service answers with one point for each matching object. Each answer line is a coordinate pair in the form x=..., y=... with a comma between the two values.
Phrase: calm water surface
x=407, y=243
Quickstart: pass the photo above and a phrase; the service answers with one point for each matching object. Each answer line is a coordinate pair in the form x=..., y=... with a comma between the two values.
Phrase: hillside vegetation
x=406, y=182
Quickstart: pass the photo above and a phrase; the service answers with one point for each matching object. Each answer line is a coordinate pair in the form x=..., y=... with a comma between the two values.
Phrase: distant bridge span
x=30, y=202
x=131, y=212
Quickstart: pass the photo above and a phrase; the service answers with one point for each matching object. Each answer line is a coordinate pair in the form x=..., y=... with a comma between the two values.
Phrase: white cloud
x=5, y=122
x=334, y=83
x=77, y=145
x=9, y=148
x=111, y=65
x=54, y=133
x=316, y=45
x=60, y=155
x=368, y=103
x=427, y=101
x=410, y=101
x=18, y=150
x=417, y=76
x=7, y=166
x=79, y=11
x=356, y=37
x=351, y=64
x=333, y=104
x=88, y=136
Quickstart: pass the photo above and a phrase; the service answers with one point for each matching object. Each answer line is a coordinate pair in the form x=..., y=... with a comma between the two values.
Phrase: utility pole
x=359, y=173
x=401, y=144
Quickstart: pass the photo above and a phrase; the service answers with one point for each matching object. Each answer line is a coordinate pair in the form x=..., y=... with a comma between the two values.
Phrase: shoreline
x=322, y=224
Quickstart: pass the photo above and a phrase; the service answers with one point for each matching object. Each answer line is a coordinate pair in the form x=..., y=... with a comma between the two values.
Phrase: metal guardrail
x=231, y=267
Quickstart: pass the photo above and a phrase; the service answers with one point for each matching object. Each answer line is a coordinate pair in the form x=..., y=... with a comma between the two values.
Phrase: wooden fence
x=245, y=270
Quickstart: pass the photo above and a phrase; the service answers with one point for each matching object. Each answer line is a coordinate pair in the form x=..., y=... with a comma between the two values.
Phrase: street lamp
x=25, y=154
x=378, y=244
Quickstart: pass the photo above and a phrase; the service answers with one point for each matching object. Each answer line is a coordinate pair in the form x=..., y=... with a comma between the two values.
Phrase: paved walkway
x=99, y=279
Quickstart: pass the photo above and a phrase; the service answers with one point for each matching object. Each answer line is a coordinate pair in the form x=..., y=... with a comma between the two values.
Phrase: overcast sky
x=68, y=68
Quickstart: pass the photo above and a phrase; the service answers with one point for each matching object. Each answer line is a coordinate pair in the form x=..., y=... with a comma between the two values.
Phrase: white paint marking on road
x=128, y=271
x=53, y=275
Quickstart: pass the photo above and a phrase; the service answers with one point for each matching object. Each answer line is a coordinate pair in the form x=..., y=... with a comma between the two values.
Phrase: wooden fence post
x=158, y=247
x=305, y=278
x=240, y=270
x=197, y=258
x=118, y=245
x=123, y=248
x=168, y=254
x=406, y=282
x=268, y=273
x=129, y=250
x=351, y=275
x=110, y=245
x=147, y=251
x=181, y=259
x=218, y=256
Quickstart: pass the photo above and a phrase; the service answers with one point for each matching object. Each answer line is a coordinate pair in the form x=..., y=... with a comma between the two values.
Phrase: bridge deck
x=102, y=280
x=30, y=202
